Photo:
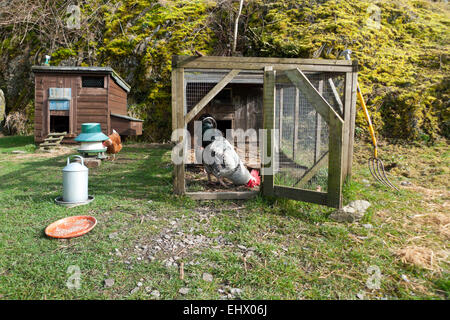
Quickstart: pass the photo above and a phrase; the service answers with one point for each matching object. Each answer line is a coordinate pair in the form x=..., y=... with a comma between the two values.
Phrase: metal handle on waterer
x=77, y=156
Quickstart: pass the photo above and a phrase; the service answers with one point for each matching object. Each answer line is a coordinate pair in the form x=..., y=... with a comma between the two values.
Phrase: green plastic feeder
x=91, y=132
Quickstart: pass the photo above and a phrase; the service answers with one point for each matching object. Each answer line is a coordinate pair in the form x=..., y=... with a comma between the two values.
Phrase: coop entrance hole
x=59, y=124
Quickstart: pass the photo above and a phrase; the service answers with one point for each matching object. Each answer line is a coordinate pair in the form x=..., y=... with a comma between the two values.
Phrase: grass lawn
x=258, y=249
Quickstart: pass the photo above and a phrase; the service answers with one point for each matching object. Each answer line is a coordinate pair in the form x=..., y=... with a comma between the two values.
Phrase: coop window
x=93, y=82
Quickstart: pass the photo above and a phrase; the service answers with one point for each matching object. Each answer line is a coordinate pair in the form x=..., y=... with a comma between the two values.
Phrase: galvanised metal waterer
x=75, y=181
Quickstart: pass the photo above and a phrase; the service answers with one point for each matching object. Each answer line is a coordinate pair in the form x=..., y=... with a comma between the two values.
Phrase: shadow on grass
x=16, y=141
x=138, y=173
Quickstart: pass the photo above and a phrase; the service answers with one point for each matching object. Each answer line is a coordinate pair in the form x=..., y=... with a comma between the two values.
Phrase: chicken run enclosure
x=305, y=106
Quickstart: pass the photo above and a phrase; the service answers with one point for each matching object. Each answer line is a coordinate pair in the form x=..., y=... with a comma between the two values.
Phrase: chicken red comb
x=255, y=180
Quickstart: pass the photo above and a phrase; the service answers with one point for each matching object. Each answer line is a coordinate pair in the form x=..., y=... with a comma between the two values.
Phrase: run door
x=303, y=151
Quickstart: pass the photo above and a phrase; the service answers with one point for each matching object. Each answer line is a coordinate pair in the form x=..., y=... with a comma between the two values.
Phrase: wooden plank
x=301, y=194
x=117, y=99
x=346, y=115
x=335, y=161
x=118, y=94
x=86, y=119
x=93, y=91
x=60, y=113
x=267, y=147
x=126, y=127
x=230, y=195
x=260, y=66
x=319, y=164
x=92, y=112
x=178, y=93
x=211, y=94
x=351, y=120
x=37, y=111
x=109, y=85
x=182, y=61
x=304, y=85
x=174, y=99
x=92, y=105
x=336, y=94
x=87, y=99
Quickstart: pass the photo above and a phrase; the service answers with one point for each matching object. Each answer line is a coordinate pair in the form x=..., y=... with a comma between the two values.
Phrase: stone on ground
x=183, y=291
x=207, y=277
x=352, y=212
x=109, y=283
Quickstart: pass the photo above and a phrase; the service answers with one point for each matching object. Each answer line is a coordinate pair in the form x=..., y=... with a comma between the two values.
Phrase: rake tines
x=376, y=168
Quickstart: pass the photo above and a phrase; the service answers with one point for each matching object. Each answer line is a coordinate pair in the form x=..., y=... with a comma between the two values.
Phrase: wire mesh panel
x=303, y=142
x=331, y=87
x=200, y=82
x=195, y=92
x=237, y=109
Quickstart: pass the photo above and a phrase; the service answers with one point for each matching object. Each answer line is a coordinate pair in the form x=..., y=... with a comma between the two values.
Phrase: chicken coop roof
x=126, y=117
x=88, y=70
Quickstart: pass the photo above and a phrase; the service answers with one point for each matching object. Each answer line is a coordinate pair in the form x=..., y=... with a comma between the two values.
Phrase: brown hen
x=113, y=144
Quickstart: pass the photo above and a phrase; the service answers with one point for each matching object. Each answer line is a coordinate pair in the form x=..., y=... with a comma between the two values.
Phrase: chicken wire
x=298, y=156
x=198, y=82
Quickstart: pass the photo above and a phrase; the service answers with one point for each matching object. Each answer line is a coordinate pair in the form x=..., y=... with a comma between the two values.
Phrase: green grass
x=298, y=252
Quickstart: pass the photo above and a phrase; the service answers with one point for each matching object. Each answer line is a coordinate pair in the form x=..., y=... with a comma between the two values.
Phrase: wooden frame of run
x=341, y=149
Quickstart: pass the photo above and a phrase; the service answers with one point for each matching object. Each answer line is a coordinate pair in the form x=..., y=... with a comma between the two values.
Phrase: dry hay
x=437, y=216
x=440, y=222
x=421, y=257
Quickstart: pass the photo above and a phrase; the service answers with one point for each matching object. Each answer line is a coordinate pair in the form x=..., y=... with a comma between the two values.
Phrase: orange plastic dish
x=71, y=227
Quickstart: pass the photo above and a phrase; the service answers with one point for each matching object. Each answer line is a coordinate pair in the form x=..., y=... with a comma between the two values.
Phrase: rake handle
x=369, y=122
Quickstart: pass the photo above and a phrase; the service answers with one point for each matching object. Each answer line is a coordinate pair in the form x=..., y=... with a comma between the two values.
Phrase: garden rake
x=376, y=166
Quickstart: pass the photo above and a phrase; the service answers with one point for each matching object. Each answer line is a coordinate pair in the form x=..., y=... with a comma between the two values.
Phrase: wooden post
x=174, y=99
x=269, y=121
x=351, y=121
x=346, y=116
x=178, y=107
x=335, y=160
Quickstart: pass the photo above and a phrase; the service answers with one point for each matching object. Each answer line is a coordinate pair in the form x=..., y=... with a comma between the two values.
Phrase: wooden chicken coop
x=305, y=106
x=66, y=97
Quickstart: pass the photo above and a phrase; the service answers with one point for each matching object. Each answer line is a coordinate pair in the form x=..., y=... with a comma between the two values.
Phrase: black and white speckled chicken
x=221, y=160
